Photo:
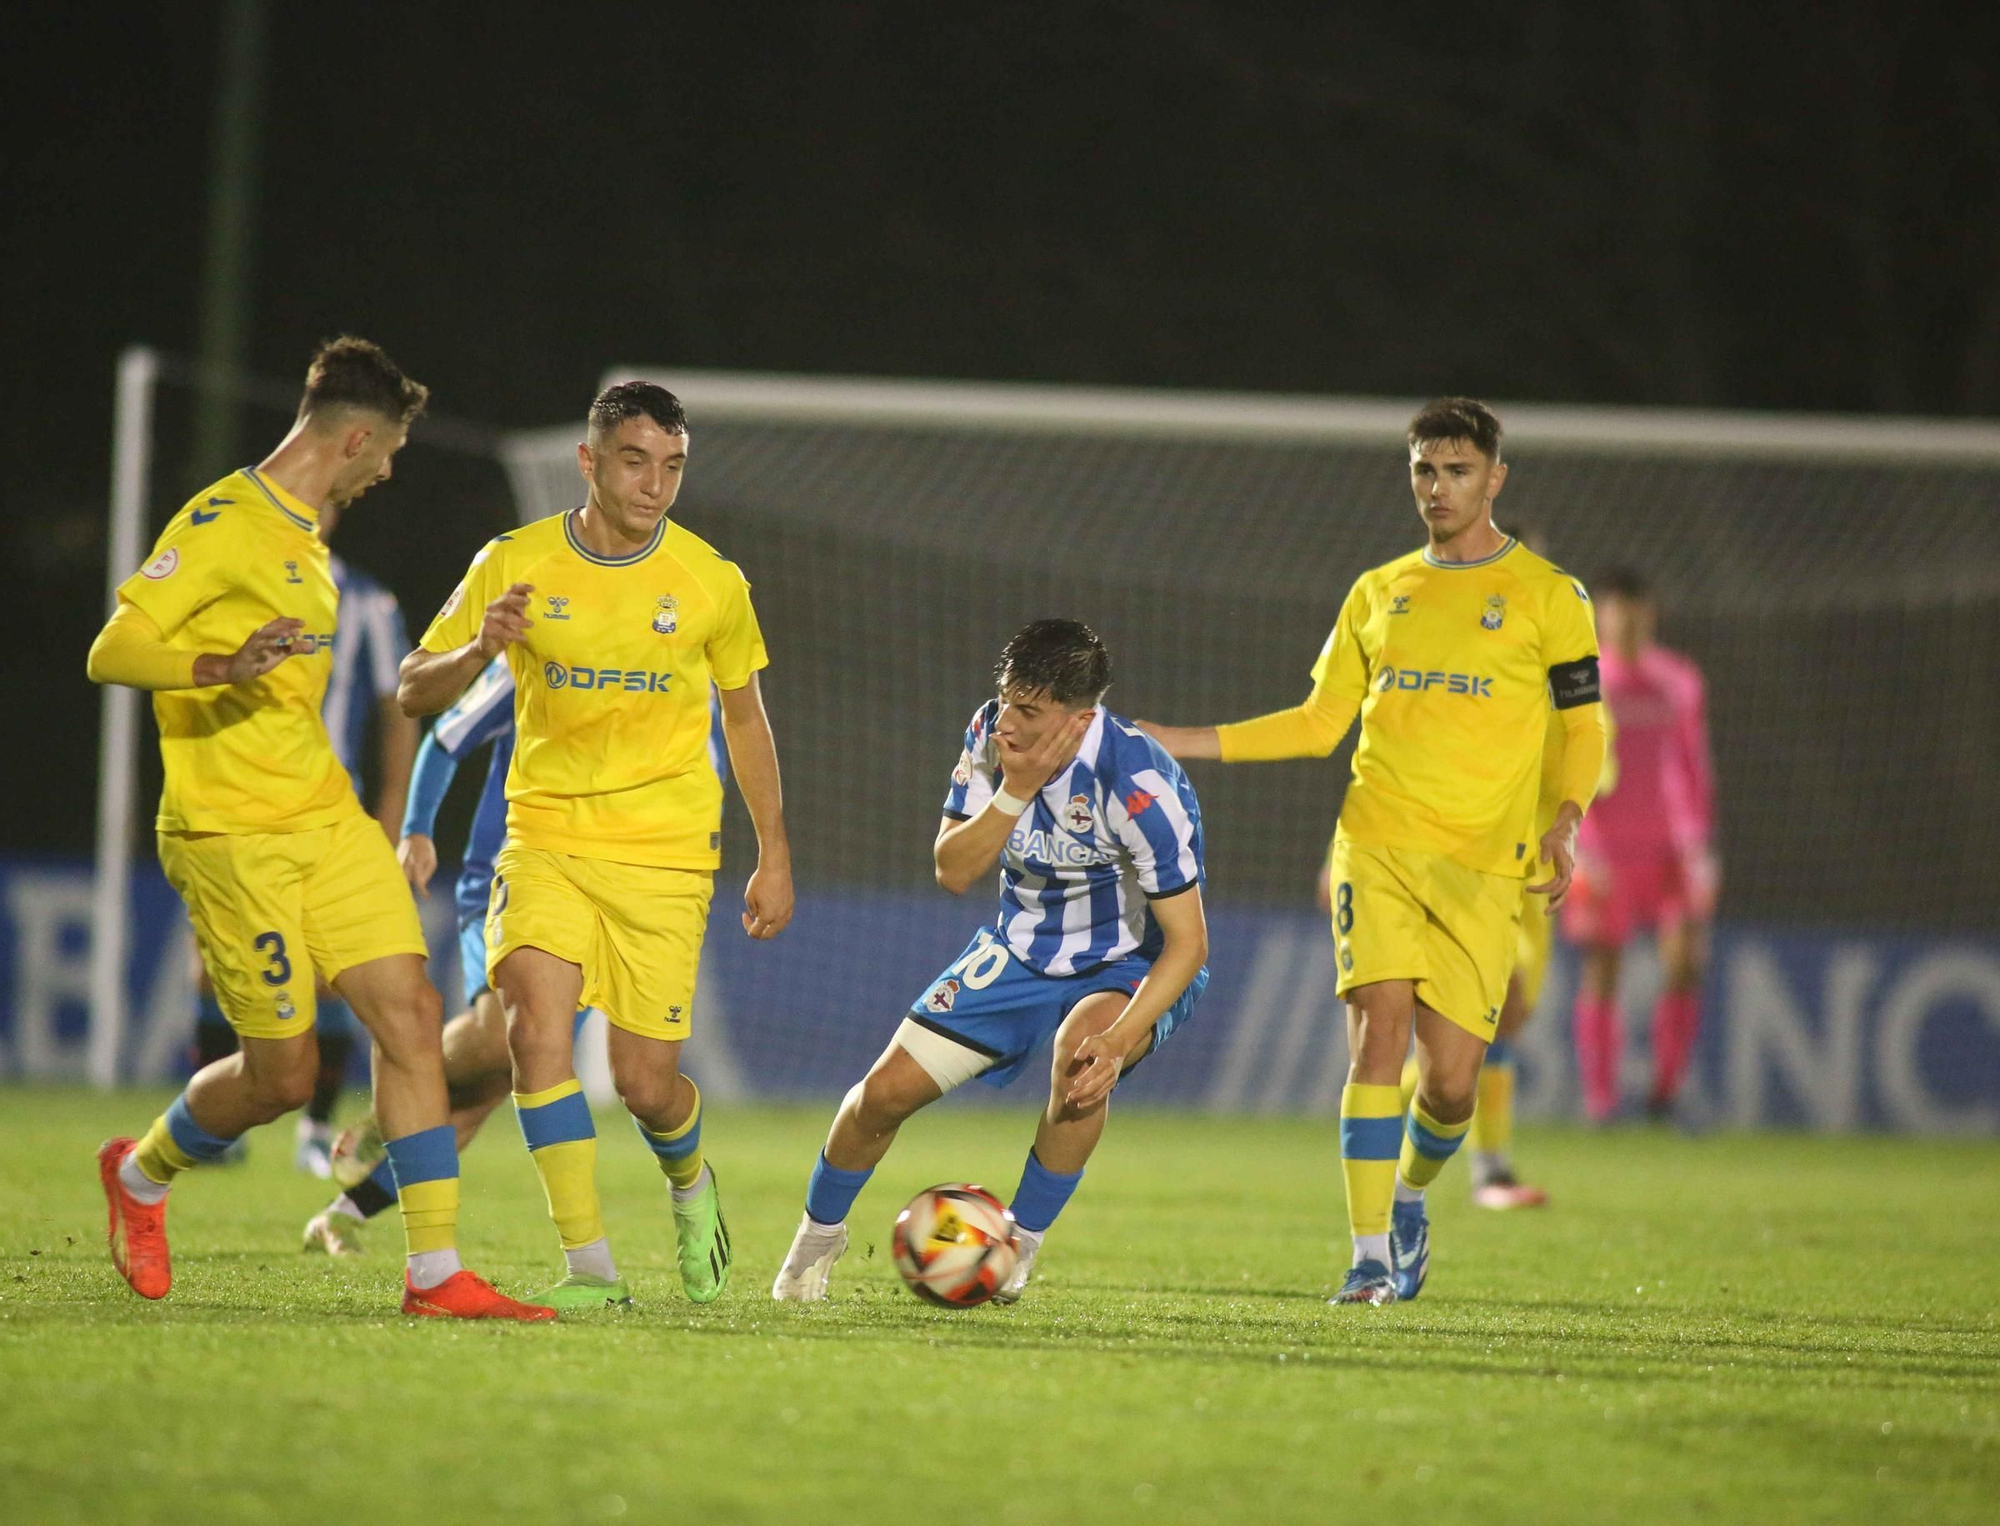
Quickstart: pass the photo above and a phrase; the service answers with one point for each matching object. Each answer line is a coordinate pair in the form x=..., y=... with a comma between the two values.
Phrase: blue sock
x=193, y=1140
x=1041, y=1195
x=832, y=1191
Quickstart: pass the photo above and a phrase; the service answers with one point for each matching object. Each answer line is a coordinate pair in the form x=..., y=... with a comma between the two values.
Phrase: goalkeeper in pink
x=1645, y=854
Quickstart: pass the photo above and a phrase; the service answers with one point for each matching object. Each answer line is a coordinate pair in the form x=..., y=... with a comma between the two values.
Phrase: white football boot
x=809, y=1263
x=1024, y=1267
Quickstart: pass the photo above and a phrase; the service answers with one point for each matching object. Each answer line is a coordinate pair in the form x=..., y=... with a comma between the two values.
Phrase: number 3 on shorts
x=273, y=946
x=1343, y=907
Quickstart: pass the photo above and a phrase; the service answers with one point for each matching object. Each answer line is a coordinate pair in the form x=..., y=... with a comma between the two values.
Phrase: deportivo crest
x=1496, y=613
x=942, y=995
x=1076, y=815
x=666, y=614
x=962, y=775
x=163, y=565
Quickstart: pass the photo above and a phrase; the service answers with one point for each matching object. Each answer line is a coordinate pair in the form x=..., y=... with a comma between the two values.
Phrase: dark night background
x=1656, y=203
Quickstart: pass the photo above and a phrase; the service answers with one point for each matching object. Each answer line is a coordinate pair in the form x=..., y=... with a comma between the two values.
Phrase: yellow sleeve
x=736, y=646
x=1314, y=729
x=1585, y=743
x=131, y=651
x=188, y=572
x=1569, y=649
x=465, y=611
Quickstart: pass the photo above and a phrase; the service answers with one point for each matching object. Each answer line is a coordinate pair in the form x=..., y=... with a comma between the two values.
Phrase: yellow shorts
x=1404, y=915
x=634, y=930
x=1531, y=948
x=271, y=908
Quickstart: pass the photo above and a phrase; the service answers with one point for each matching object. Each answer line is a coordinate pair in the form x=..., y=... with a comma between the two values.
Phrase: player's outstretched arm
x=965, y=850
x=1102, y=1056
x=753, y=757
x=130, y=650
x=1310, y=730
x=428, y=681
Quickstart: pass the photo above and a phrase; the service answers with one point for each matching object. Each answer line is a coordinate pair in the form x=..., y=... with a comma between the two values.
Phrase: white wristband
x=1007, y=805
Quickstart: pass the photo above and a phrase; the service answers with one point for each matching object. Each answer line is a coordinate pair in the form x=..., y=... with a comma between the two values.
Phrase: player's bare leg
x=1676, y=1020
x=1380, y=1017
x=1494, y=1184
x=395, y=1001
x=1600, y=1036
x=667, y=1107
x=894, y=1090
x=1067, y=1135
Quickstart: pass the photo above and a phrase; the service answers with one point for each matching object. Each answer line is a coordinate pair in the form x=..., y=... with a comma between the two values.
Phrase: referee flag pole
x=131, y=468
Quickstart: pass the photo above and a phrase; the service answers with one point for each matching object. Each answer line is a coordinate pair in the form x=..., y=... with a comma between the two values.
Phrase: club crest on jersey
x=286, y=1011
x=941, y=996
x=1076, y=815
x=1496, y=613
x=163, y=565
x=962, y=775
x=666, y=614
x=558, y=605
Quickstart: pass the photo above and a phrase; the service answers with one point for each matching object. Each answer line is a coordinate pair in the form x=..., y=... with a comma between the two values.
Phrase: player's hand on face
x=506, y=620
x=1099, y=1059
x=1027, y=769
x=418, y=855
x=1559, y=852
x=270, y=644
x=767, y=902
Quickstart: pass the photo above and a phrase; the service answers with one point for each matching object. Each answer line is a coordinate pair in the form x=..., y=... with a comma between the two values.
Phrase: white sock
x=812, y=1226
x=138, y=1183
x=1371, y=1248
x=430, y=1267
x=593, y=1260
x=345, y=1204
x=1031, y=1239
x=689, y=1194
x=1405, y=1193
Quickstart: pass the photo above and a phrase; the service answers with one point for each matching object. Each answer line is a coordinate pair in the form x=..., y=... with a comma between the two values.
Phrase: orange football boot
x=464, y=1296
x=137, y=1231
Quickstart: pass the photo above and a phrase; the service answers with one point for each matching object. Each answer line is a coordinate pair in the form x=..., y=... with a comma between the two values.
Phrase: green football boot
x=704, y=1241
x=581, y=1293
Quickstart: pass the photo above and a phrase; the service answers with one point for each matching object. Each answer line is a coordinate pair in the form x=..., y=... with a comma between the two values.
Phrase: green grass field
x=1724, y=1328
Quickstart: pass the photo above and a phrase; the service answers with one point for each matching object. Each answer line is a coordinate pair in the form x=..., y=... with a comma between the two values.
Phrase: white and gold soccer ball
x=955, y=1245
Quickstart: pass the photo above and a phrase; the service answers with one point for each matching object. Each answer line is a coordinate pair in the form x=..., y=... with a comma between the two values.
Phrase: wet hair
x=1621, y=583
x=1060, y=658
x=351, y=372
x=634, y=399
x=1457, y=418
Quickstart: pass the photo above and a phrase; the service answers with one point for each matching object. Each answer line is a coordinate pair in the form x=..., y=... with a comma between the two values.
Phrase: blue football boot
x=1410, y=1247
x=1368, y=1282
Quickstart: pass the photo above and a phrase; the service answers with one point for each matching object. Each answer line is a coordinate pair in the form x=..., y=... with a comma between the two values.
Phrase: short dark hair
x=1458, y=418
x=1060, y=658
x=352, y=372
x=1622, y=583
x=628, y=400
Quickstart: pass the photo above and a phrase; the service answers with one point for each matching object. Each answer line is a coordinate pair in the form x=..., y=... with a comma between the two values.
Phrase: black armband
x=1575, y=683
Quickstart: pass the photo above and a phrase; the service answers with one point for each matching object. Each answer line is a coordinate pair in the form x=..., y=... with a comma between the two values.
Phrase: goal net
x=1832, y=577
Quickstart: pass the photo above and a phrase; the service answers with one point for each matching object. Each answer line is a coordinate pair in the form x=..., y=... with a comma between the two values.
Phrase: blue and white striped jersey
x=1116, y=828
x=485, y=713
x=370, y=647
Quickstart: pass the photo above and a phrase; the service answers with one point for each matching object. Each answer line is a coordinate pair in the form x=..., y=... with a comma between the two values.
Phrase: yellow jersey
x=1454, y=669
x=251, y=757
x=611, y=707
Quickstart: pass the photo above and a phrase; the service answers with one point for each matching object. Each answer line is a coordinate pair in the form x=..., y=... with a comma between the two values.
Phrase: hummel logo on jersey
x=627, y=680
x=199, y=518
x=558, y=602
x=292, y=573
x=1399, y=604
x=1409, y=680
x=1138, y=801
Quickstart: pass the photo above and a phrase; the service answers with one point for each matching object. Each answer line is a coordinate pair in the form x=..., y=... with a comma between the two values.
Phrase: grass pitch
x=1724, y=1328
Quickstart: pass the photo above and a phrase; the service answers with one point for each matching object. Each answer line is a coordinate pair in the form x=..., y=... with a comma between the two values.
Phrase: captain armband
x=1575, y=683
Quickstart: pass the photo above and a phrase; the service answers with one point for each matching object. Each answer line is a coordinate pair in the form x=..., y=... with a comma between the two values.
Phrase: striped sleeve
x=484, y=711
x=972, y=781
x=1158, y=829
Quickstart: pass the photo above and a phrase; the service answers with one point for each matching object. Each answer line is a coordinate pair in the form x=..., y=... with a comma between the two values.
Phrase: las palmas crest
x=667, y=614
x=1496, y=612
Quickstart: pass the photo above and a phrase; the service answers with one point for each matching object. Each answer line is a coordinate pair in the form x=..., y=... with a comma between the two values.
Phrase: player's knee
x=880, y=1103
x=646, y=1091
x=409, y=1028
x=283, y=1083
x=1449, y=1099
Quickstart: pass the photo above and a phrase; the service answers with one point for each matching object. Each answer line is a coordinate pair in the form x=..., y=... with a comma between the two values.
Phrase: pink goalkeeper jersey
x=1665, y=794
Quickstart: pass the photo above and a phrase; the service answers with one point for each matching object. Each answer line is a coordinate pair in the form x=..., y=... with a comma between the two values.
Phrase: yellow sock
x=1493, y=1119
x=1370, y=1128
x=158, y=1156
x=430, y=1214
x=1427, y=1145
x=562, y=1141
x=679, y=1151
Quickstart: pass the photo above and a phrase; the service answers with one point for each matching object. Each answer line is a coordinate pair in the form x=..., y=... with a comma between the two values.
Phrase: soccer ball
x=955, y=1245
